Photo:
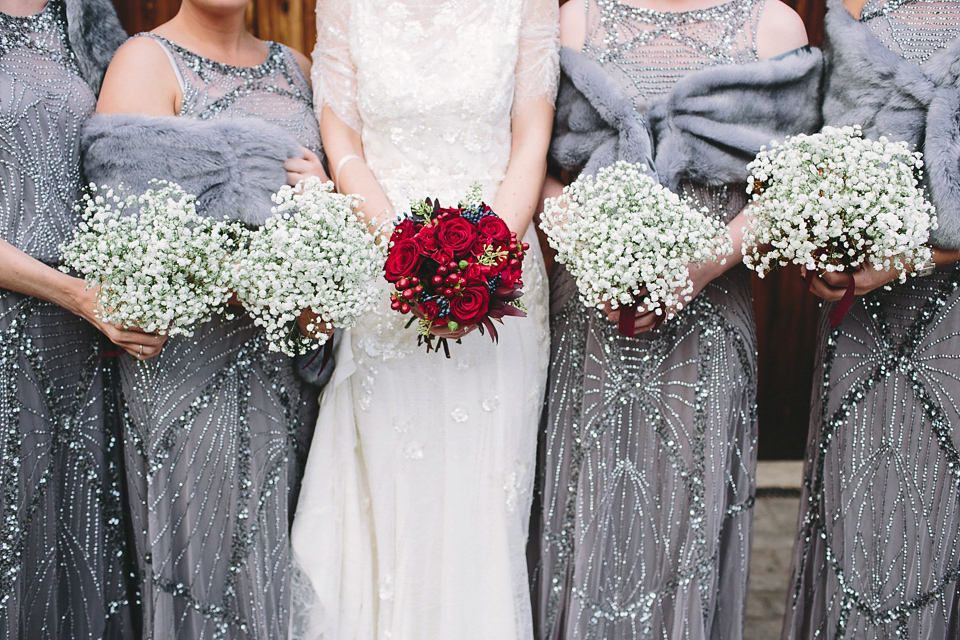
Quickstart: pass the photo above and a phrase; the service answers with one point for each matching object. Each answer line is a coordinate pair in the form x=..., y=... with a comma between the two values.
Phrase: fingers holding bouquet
x=313, y=326
x=153, y=262
x=455, y=269
x=633, y=246
x=136, y=342
x=850, y=211
x=303, y=167
x=833, y=285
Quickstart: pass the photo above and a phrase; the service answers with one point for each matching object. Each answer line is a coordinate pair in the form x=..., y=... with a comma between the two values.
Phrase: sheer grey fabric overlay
x=63, y=557
x=647, y=463
x=217, y=426
x=878, y=549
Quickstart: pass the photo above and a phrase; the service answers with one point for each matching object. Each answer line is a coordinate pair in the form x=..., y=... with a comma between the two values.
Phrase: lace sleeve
x=334, y=75
x=538, y=63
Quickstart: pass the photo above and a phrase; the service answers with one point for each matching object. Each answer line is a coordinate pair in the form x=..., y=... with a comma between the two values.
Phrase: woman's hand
x=321, y=328
x=648, y=319
x=645, y=320
x=139, y=344
x=442, y=332
x=301, y=168
x=452, y=335
x=833, y=284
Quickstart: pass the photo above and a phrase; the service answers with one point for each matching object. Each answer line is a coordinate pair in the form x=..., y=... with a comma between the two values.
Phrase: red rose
x=493, y=229
x=491, y=271
x=511, y=276
x=456, y=234
x=474, y=273
x=403, y=260
x=470, y=307
x=479, y=246
x=427, y=240
x=443, y=255
x=405, y=229
x=430, y=309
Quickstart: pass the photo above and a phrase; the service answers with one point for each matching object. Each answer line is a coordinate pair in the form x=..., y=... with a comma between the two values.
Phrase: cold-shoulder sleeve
x=334, y=74
x=538, y=62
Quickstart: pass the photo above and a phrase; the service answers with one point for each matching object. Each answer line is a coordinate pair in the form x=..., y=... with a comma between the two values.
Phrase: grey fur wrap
x=595, y=125
x=95, y=34
x=706, y=129
x=868, y=84
x=232, y=165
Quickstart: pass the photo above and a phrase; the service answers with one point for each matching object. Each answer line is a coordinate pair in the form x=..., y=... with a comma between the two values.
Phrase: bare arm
x=310, y=164
x=519, y=193
x=779, y=30
x=573, y=25
x=23, y=274
x=140, y=80
x=340, y=142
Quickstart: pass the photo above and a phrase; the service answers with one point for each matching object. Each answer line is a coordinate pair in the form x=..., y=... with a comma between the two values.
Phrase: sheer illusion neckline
x=704, y=14
x=262, y=68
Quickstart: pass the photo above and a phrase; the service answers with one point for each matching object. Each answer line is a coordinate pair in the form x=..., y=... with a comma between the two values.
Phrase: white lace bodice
x=431, y=85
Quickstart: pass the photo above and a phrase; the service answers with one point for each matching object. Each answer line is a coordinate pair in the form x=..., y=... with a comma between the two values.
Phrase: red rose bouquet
x=454, y=268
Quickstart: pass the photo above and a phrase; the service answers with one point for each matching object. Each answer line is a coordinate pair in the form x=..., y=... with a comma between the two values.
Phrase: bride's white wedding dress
x=412, y=520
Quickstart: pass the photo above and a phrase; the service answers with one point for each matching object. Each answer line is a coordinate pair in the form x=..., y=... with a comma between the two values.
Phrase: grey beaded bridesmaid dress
x=215, y=425
x=650, y=443
x=63, y=557
x=878, y=548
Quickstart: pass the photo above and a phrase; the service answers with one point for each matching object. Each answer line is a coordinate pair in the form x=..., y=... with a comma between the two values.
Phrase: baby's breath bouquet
x=621, y=232
x=159, y=264
x=317, y=252
x=835, y=201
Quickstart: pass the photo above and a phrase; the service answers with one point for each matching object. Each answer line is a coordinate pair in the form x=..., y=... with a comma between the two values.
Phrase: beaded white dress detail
x=412, y=521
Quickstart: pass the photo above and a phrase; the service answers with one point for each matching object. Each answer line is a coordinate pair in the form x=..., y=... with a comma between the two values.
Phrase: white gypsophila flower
x=317, y=252
x=834, y=201
x=160, y=266
x=621, y=232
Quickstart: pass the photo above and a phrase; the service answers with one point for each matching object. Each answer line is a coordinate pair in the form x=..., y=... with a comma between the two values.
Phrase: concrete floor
x=775, y=521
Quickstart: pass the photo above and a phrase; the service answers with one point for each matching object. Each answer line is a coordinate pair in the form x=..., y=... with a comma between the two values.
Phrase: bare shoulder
x=779, y=30
x=303, y=62
x=573, y=24
x=140, y=79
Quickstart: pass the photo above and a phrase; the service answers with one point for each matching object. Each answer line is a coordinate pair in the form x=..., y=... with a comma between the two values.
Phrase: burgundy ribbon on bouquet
x=627, y=317
x=840, y=311
x=327, y=354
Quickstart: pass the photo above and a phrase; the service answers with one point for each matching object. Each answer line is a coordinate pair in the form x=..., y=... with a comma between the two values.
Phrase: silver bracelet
x=925, y=268
x=343, y=161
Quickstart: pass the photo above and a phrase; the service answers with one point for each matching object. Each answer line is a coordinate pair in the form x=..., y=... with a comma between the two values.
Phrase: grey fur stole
x=595, y=123
x=705, y=129
x=868, y=84
x=95, y=34
x=232, y=165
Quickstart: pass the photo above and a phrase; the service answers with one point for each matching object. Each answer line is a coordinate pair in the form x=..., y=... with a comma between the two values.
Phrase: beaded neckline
x=914, y=29
x=44, y=32
x=274, y=55
x=36, y=20
x=883, y=9
x=689, y=16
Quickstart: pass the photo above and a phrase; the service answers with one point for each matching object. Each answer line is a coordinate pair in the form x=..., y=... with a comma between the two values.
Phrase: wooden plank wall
x=291, y=22
x=786, y=315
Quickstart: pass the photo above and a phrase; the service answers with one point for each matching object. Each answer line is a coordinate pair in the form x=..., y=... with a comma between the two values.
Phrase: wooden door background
x=786, y=315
